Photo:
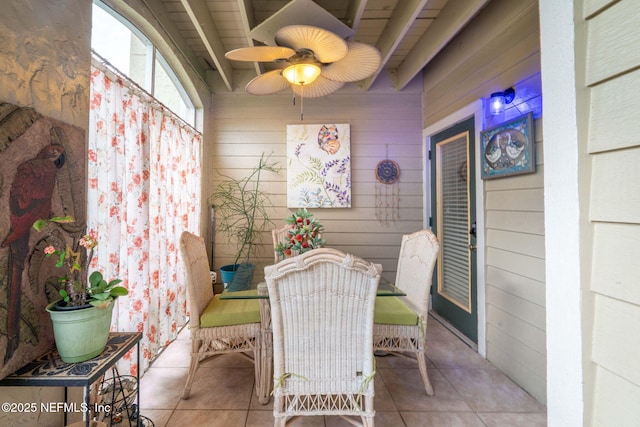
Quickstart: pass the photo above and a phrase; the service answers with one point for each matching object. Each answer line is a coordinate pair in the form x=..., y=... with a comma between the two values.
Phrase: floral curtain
x=144, y=190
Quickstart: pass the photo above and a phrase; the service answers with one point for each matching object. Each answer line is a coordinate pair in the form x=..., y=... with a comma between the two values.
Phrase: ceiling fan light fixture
x=301, y=73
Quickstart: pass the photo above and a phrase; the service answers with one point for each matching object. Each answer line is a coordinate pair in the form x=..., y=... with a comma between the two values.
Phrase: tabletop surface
x=244, y=285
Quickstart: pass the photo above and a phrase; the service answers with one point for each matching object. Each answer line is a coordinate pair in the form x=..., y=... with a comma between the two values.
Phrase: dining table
x=250, y=284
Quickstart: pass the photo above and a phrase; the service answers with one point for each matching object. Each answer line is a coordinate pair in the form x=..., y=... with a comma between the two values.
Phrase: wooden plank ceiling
x=408, y=33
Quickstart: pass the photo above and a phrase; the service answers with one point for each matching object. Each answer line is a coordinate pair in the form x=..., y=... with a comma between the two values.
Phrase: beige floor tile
x=176, y=355
x=220, y=388
x=505, y=419
x=382, y=400
x=452, y=354
x=489, y=390
x=259, y=419
x=442, y=419
x=408, y=394
x=223, y=392
x=161, y=388
x=208, y=418
x=437, y=332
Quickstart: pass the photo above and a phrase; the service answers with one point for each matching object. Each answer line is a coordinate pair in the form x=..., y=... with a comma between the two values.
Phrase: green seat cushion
x=393, y=311
x=230, y=312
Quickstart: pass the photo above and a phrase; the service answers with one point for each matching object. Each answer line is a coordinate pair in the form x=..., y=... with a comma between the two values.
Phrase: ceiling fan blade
x=260, y=53
x=319, y=87
x=326, y=46
x=361, y=61
x=267, y=83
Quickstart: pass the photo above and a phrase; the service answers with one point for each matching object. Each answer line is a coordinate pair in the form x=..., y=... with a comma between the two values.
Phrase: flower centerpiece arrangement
x=82, y=318
x=305, y=234
x=74, y=290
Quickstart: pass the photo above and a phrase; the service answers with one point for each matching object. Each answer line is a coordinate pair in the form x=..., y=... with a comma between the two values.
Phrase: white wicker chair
x=400, y=323
x=279, y=235
x=235, y=324
x=322, y=305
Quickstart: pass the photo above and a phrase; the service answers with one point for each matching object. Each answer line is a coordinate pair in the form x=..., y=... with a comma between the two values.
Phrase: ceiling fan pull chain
x=302, y=102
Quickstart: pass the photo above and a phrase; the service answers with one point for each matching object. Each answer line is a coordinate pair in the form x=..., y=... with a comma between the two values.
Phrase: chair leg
x=368, y=422
x=193, y=367
x=422, y=366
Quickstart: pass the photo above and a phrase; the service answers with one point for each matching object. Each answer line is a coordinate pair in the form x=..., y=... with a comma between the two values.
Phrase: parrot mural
x=29, y=200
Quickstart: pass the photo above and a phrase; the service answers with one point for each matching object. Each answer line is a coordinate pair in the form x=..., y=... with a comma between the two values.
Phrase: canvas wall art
x=42, y=174
x=508, y=149
x=319, y=166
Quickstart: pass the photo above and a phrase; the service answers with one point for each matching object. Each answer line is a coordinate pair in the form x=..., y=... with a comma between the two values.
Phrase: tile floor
x=469, y=391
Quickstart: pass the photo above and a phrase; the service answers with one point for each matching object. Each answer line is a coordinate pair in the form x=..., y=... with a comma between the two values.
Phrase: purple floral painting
x=318, y=166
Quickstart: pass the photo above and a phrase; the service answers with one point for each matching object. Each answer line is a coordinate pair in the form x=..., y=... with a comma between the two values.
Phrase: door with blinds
x=454, y=293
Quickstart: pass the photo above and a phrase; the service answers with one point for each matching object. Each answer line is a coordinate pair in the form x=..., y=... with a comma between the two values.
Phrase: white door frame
x=475, y=109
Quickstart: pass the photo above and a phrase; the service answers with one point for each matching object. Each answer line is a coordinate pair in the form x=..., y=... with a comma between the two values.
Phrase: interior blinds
x=454, y=220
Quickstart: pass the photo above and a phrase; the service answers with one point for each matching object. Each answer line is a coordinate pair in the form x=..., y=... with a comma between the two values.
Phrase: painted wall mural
x=42, y=168
x=318, y=166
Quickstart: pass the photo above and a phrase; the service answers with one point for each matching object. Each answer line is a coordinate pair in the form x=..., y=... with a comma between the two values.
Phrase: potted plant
x=241, y=214
x=82, y=316
x=305, y=234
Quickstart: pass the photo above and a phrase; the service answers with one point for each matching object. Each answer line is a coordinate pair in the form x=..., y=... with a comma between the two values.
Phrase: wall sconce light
x=500, y=99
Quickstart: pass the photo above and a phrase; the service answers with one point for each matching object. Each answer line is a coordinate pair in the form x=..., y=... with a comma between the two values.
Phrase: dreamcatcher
x=387, y=192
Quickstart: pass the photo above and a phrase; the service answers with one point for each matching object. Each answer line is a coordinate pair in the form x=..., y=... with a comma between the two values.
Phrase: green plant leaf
x=119, y=291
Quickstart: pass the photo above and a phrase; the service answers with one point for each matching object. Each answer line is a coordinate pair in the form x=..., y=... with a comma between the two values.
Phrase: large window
x=133, y=54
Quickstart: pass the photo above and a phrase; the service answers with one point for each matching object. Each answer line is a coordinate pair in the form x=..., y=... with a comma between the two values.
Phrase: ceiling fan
x=316, y=62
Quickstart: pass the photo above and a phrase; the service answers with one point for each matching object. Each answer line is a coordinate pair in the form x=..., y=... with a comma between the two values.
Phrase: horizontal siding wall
x=383, y=123
x=486, y=58
x=613, y=59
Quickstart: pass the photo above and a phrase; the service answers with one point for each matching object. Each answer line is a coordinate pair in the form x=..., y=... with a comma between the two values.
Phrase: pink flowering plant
x=75, y=259
x=305, y=234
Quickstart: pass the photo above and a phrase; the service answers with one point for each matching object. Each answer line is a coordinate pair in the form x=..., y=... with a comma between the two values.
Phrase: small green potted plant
x=241, y=214
x=82, y=316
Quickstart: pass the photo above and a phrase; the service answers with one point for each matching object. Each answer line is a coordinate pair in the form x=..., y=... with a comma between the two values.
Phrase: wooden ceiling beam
x=451, y=20
x=355, y=12
x=246, y=12
x=202, y=20
x=397, y=27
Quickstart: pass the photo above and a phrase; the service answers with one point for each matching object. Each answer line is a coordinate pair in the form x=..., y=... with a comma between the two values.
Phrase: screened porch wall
x=384, y=124
x=486, y=58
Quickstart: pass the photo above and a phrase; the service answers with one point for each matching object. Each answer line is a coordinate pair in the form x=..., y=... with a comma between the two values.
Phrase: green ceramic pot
x=80, y=334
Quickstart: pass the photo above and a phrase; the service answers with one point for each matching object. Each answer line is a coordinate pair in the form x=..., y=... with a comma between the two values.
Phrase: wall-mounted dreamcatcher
x=387, y=192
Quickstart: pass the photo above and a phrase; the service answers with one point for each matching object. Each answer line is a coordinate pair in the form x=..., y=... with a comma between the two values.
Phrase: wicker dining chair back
x=217, y=326
x=322, y=306
x=418, y=255
x=279, y=235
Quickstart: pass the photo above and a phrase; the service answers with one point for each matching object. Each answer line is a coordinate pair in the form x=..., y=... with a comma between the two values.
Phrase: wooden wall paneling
x=615, y=400
x=591, y=7
x=614, y=120
x=526, y=266
x=523, y=222
x=615, y=186
x=522, y=309
x=382, y=125
x=516, y=200
x=616, y=334
x=519, y=182
x=527, y=334
x=521, y=243
x=613, y=46
x=615, y=268
x=523, y=287
x=518, y=362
